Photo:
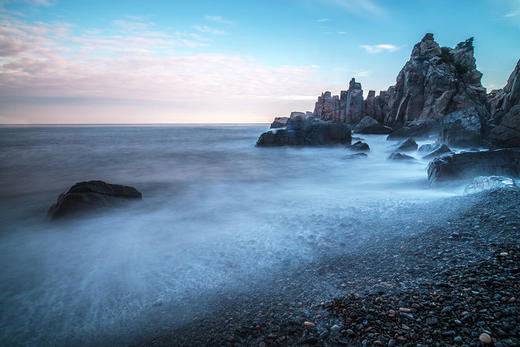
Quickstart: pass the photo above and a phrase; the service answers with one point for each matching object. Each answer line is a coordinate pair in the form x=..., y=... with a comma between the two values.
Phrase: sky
x=210, y=61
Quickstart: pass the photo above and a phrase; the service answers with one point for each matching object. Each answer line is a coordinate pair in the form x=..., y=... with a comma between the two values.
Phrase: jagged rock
x=359, y=146
x=462, y=128
x=89, y=196
x=483, y=183
x=369, y=125
x=327, y=107
x=279, y=122
x=356, y=156
x=400, y=156
x=507, y=133
x=306, y=131
x=409, y=145
x=420, y=130
x=372, y=107
x=503, y=162
x=441, y=150
x=436, y=81
x=502, y=100
x=354, y=102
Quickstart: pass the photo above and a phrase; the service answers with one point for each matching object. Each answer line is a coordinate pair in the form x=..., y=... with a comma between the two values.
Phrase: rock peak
x=428, y=37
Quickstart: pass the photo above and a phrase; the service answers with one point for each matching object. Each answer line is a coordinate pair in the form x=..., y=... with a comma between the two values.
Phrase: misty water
x=218, y=215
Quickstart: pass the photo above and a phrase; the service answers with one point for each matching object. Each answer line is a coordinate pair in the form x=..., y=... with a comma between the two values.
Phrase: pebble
x=404, y=309
x=309, y=324
x=485, y=338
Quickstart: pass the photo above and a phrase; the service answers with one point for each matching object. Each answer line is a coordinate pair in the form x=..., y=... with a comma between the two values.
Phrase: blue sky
x=224, y=61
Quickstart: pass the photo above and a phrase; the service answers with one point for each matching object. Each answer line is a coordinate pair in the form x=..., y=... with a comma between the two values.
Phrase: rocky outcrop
x=505, y=108
x=279, y=122
x=328, y=107
x=436, y=81
x=369, y=125
x=359, y=146
x=503, y=162
x=90, y=196
x=463, y=128
x=507, y=133
x=303, y=130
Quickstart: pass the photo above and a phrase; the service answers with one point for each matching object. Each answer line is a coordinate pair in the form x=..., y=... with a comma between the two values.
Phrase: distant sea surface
x=217, y=213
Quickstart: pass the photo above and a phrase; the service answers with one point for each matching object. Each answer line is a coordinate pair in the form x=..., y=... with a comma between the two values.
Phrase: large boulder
x=306, y=131
x=400, y=156
x=418, y=130
x=507, y=133
x=359, y=146
x=89, y=196
x=503, y=162
x=462, y=128
x=369, y=125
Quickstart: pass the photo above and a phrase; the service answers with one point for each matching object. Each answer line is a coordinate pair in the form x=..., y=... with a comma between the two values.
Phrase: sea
x=218, y=216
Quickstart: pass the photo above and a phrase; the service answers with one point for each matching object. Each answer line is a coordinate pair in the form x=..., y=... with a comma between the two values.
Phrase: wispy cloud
x=384, y=47
x=342, y=33
x=356, y=6
x=322, y=20
x=362, y=74
x=219, y=19
x=39, y=2
x=513, y=13
x=209, y=30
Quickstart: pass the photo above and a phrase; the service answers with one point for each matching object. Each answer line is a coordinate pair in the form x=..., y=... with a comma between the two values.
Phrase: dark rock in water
x=279, y=122
x=306, y=131
x=369, y=125
x=503, y=162
x=359, y=146
x=428, y=148
x=356, y=156
x=92, y=195
x=441, y=150
x=507, y=133
x=421, y=130
x=400, y=156
x=409, y=145
x=462, y=128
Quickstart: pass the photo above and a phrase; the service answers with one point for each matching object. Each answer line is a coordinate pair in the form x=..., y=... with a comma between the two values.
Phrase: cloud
x=356, y=6
x=362, y=74
x=322, y=20
x=219, y=19
x=34, y=62
x=385, y=47
x=209, y=30
x=342, y=32
x=513, y=13
x=39, y=2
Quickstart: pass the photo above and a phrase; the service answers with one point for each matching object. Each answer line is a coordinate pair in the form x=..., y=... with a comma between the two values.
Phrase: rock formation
x=505, y=109
x=436, y=81
x=463, y=165
x=303, y=130
x=92, y=195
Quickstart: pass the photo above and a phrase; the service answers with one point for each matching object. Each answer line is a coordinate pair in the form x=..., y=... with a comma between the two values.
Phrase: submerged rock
x=359, y=146
x=356, y=156
x=409, y=145
x=400, y=156
x=471, y=164
x=440, y=150
x=483, y=183
x=92, y=195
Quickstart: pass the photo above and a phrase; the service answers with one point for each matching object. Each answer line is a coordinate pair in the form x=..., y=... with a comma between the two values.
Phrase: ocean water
x=218, y=215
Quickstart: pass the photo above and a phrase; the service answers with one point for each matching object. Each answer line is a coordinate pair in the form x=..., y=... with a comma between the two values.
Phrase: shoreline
x=459, y=255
